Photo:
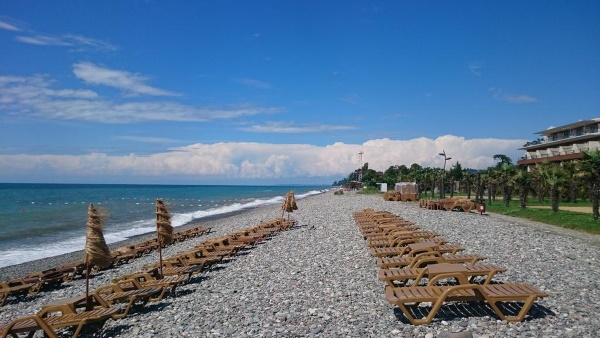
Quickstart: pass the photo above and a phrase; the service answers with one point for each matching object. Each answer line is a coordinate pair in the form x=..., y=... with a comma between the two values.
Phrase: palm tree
x=539, y=178
x=467, y=179
x=522, y=180
x=491, y=179
x=591, y=161
x=554, y=177
x=506, y=171
x=456, y=174
x=571, y=170
x=479, y=192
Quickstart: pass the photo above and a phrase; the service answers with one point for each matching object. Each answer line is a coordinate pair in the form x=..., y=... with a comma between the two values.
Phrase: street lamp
x=442, y=191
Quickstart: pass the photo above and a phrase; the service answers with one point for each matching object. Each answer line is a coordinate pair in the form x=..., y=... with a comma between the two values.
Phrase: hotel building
x=562, y=143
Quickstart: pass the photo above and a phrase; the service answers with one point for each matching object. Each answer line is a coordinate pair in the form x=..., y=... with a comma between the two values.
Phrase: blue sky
x=283, y=91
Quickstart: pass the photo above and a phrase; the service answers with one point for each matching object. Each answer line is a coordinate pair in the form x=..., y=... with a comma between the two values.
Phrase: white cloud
x=131, y=84
x=476, y=68
x=9, y=27
x=147, y=139
x=266, y=161
x=500, y=95
x=76, y=42
x=33, y=96
x=253, y=83
x=291, y=128
x=350, y=98
x=43, y=40
x=79, y=43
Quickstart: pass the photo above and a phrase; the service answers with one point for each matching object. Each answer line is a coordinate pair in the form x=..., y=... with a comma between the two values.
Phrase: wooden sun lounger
x=404, y=250
x=208, y=250
x=51, y=277
x=379, y=243
x=112, y=294
x=144, y=280
x=17, y=287
x=402, y=277
x=67, y=318
x=400, y=235
x=426, y=258
x=438, y=295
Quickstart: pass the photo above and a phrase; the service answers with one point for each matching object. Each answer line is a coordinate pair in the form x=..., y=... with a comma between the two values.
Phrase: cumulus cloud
x=292, y=128
x=253, y=83
x=247, y=160
x=130, y=83
x=34, y=96
x=500, y=95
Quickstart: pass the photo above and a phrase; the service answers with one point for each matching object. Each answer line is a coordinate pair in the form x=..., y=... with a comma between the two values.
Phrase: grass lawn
x=563, y=218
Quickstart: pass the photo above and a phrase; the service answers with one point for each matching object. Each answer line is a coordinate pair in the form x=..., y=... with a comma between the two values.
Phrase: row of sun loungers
x=33, y=283
x=149, y=285
x=421, y=267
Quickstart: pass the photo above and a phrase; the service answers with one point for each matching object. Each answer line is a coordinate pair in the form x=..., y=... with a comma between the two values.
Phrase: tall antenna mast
x=360, y=160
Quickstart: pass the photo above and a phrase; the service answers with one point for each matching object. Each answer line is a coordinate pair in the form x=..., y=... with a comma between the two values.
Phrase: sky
x=283, y=92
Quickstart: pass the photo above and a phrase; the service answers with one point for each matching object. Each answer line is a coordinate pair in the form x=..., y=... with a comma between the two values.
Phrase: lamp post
x=442, y=191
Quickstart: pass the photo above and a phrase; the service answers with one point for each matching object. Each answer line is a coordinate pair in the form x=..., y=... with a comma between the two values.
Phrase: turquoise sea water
x=45, y=220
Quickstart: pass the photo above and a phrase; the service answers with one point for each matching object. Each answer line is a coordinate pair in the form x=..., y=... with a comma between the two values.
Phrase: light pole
x=442, y=191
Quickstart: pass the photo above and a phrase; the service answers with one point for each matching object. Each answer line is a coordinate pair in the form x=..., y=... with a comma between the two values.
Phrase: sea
x=46, y=220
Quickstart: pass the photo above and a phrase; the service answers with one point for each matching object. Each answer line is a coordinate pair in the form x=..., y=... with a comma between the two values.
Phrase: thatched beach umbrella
x=164, y=229
x=293, y=200
x=289, y=203
x=96, y=251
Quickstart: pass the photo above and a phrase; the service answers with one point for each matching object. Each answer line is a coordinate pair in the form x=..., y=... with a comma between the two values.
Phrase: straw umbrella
x=289, y=203
x=96, y=251
x=164, y=230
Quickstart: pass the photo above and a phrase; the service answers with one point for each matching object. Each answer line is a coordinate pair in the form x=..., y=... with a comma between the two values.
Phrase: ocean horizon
x=40, y=220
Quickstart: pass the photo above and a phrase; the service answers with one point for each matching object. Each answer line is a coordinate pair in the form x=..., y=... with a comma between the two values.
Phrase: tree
x=591, y=162
x=503, y=159
x=522, y=180
x=391, y=175
x=571, y=170
x=554, y=177
x=506, y=172
x=415, y=167
x=455, y=174
x=369, y=177
x=479, y=192
x=539, y=179
x=467, y=179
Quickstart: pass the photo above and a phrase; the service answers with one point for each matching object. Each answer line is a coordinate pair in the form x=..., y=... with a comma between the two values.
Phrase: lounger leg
x=432, y=313
x=160, y=296
x=522, y=313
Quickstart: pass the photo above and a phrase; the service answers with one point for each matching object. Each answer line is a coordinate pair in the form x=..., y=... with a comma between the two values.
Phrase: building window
x=594, y=128
x=579, y=131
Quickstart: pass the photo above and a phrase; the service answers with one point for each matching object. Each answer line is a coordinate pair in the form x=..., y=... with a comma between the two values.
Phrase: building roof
x=569, y=126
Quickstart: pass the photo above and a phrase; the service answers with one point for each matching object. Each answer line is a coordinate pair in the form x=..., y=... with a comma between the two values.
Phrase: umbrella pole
x=160, y=266
x=88, y=305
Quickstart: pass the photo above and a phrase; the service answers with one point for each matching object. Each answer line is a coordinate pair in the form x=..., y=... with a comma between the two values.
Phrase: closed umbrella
x=164, y=229
x=96, y=251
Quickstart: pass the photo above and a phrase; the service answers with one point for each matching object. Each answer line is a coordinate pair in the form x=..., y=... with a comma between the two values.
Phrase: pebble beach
x=318, y=279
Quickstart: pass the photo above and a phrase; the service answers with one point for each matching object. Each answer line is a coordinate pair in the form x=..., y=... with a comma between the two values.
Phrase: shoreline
x=22, y=269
